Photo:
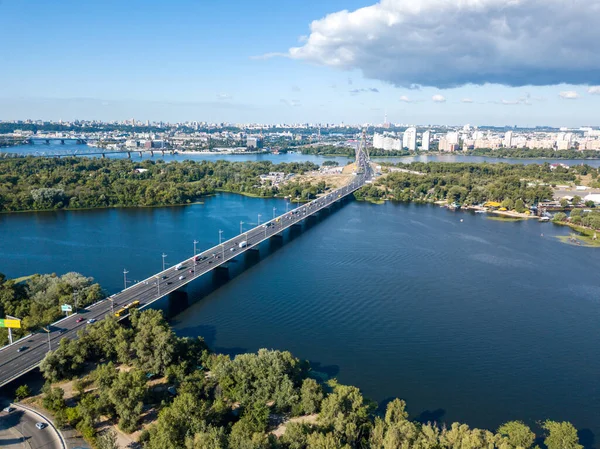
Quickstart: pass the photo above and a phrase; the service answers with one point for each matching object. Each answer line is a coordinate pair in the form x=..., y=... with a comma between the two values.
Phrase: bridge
x=86, y=151
x=14, y=362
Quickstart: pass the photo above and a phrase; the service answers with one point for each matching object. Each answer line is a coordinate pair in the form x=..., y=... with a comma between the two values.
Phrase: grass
x=506, y=218
x=584, y=235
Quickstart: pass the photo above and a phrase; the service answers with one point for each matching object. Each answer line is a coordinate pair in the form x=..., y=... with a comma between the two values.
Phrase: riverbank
x=586, y=235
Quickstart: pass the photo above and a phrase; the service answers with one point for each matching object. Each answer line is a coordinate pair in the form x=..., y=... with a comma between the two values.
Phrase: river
x=57, y=148
x=464, y=317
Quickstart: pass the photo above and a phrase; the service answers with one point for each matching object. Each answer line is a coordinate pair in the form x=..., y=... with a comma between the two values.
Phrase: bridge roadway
x=13, y=364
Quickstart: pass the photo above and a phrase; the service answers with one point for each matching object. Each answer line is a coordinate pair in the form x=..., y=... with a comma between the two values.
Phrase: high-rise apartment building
x=409, y=139
x=426, y=140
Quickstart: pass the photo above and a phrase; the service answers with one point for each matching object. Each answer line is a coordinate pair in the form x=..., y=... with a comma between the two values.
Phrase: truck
x=243, y=244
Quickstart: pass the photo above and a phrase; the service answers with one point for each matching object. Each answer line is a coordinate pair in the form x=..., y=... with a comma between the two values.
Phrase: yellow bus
x=120, y=312
x=123, y=311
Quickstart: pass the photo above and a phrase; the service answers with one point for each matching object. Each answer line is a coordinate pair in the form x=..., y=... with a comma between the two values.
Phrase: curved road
x=17, y=430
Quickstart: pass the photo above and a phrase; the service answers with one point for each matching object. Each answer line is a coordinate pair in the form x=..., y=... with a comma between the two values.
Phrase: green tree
x=520, y=206
x=107, y=440
x=311, y=395
x=154, y=341
x=126, y=394
x=559, y=217
x=564, y=202
x=518, y=434
x=561, y=435
x=576, y=201
x=22, y=392
x=211, y=438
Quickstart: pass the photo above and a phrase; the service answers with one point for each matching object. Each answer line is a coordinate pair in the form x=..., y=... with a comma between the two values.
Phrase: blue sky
x=213, y=61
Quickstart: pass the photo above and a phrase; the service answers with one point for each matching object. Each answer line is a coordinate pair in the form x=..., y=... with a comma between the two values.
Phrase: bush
x=22, y=392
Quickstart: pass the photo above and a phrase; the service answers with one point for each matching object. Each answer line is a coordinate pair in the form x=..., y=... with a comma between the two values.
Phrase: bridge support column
x=129, y=154
x=103, y=155
x=47, y=141
x=163, y=152
x=140, y=154
x=151, y=153
x=62, y=141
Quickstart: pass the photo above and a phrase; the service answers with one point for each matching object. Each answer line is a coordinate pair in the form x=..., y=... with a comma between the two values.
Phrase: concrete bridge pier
x=221, y=275
x=151, y=153
x=140, y=154
x=103, y=155
x=129, y=154
x=47, y=141
x=62, y=141
x=163, y=152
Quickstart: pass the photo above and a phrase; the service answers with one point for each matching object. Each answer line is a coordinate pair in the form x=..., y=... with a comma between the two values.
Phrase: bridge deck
x=14, y=364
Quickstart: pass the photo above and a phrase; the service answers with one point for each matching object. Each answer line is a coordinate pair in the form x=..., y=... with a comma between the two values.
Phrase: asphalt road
x=17, y=430
x=33, y=349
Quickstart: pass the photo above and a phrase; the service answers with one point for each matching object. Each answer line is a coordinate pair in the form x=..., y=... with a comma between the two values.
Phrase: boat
x=478, y=211
x=544, y=219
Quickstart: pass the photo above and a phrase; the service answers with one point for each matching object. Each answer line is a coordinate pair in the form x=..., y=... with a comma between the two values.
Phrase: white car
x=181, y=278
x=8, y=409
x=40, y=425
x=90, y=321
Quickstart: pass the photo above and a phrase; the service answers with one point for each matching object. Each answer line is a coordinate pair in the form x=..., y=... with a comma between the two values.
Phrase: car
x=169, y=283
x=22, y=348
x=181, y=278
x=62, y=331
x=232, y=249
x=79, y=320
x=163, y=277
x=40, y=425
x=210, y=261
x=8, y=409
x=91, y=321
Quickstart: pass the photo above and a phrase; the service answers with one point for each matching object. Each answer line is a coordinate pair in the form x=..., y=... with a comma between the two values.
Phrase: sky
x=481, y=62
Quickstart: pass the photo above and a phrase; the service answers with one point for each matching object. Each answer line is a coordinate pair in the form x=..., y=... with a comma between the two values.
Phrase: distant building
x=254, y=142
x=508, y=139
x=387, y=143
x=426, y=140
x=409, y=139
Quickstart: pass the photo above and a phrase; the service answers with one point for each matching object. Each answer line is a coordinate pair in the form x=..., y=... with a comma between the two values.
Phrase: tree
x=561, y=435
x=346, y=414
x=518, y=434
x=559, y=217
x=22, y=392
x=211, y=438
x=154, y=341
x=564, y=202
x=576, y=201
x=520, y=206
x=311, y=395
x=590, y=204
x=126, y=395
x=107, y=440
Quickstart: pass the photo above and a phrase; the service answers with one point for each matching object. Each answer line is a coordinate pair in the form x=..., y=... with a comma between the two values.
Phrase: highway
x=14, y=363
x=20, y=424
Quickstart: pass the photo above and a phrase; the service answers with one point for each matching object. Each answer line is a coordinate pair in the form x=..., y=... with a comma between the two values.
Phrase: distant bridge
x=85, y=151
x=14, y=362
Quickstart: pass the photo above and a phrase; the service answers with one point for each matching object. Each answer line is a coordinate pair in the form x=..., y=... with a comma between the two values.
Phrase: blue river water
x=464, y=317
x=56, y=148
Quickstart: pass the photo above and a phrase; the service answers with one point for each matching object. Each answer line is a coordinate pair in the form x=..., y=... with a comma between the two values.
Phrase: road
x=17, y=430
x=14, y=363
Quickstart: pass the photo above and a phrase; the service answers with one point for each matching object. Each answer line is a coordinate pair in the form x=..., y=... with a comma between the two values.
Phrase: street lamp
x=259, y=219
x=75, y=296
x=163, y=260
x=194, y=258
x=125, y=278
x=274, y=209
x=220, y=243
x=220, y=234
x=241, y=227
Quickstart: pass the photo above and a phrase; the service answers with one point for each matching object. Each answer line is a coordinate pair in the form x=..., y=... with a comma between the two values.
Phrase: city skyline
x=271, y=63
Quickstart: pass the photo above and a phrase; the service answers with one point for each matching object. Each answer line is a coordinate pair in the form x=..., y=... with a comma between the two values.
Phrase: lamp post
x=259, y=219
x=194, y=258
x=274, y=209
x=125, y=278
x=163, y=260
x=241, y=227
x=220, y=243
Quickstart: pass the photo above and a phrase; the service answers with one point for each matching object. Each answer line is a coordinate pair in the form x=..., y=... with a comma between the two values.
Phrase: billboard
x=15, y=324
x=66, y=308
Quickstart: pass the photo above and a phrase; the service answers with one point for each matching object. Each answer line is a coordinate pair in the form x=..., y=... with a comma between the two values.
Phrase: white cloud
x=360, y=91
x=405, y=99
x=291, y=103
x=466, y=100
x=568, y=95
x=224, y=96
x=594, y=90
x=510, y=42
x=439, y=98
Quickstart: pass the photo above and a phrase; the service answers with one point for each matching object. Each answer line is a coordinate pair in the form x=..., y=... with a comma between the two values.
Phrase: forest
x=472, y=183
x=204, y=400
x=37, y=300
x=28, y=184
